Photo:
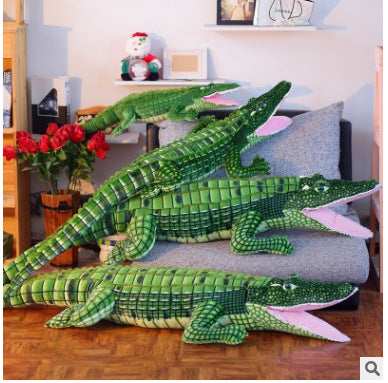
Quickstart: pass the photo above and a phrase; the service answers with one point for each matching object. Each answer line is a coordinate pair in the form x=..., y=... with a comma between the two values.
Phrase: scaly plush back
x=209, y=146
x=211, y=306
x=157, y=105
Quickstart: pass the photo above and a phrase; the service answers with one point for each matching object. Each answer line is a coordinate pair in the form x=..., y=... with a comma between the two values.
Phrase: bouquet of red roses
x=62, y=150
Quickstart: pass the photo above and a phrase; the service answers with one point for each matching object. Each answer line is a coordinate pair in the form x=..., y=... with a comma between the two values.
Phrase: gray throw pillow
x=309, y=145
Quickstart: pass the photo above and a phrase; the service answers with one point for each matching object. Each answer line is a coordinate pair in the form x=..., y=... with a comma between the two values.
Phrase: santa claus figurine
x=140, y=64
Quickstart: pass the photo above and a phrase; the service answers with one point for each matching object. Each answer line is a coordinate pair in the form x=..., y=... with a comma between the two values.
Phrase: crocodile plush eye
x=289, y=286
x=321, y=186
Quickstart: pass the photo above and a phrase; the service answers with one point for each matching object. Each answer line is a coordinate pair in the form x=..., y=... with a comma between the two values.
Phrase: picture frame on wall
x=185, y=63
x=235, y=12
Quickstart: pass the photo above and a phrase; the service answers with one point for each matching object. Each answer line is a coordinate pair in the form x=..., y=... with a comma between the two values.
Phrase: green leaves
x=61, y=155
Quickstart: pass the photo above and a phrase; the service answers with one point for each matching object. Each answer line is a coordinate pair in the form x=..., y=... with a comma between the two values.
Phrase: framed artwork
x=235, y=12
x=185, y=64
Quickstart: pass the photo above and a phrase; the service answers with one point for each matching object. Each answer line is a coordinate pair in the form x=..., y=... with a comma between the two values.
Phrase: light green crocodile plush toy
x=211, y=306
x=194, y=157
x=158, y=105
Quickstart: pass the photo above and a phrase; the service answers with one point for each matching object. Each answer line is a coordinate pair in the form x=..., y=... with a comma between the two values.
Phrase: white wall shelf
x=252, y=28
x=160, y=83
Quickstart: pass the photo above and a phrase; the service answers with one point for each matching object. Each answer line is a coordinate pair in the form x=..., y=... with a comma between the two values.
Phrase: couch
x=317, y=255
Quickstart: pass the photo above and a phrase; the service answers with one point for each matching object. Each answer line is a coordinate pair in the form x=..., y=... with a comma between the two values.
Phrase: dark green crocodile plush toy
x=191, y=158
x=158, y=105
x=211, y=306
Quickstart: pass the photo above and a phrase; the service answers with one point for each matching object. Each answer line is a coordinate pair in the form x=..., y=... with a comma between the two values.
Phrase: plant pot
x=57, y=209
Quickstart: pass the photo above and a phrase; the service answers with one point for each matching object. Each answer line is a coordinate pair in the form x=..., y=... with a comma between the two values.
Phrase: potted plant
x=61, y=151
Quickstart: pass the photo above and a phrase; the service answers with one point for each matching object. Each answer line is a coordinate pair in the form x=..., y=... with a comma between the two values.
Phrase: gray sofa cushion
x=317, y=256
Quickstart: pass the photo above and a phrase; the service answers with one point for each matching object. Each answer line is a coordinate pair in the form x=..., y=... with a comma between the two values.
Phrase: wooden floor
x=110, y=351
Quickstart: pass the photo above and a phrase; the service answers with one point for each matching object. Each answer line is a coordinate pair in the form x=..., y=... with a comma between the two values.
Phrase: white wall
x=85, y=40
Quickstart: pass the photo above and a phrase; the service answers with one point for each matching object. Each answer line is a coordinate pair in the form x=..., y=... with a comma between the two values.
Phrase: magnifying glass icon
x=371, y=367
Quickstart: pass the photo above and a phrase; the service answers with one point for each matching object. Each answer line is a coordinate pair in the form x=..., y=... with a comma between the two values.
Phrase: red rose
x=101, y=153
x=44, y=143
x=58, y=142
x=22, y=135
x=92, y=145
x=97, y=144
x=9, y=152
x=52, y=128
x=27, y=145
x=65, y=132
x=78, y=134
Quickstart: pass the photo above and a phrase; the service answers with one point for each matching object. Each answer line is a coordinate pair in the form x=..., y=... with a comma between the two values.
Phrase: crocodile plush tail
x=78, y=229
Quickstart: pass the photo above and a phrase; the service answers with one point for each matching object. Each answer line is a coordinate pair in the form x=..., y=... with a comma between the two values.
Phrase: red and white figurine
x=140, y=64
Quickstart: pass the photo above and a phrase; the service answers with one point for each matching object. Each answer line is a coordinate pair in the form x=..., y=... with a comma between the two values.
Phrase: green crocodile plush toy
x=218, y=209
x=211, y=306
x=158, y=105
x=237, y=209
x=194, y=157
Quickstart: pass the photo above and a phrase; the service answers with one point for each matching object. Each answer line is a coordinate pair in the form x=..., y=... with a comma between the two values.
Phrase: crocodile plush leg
x=167, y=178
x=98, y=306
x=204, y=327
x=141, y=238
x=234, y=168
x=243, y=239
x=128, y=116
x=178, y=112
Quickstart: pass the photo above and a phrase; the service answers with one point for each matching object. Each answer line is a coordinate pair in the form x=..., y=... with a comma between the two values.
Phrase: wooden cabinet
x=16, y=188
x=376, y=213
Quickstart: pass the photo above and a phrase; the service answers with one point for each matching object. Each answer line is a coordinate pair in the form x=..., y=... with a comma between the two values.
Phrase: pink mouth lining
x=337, y=222
x=298, y=317
x=216, y=99
x=274, y=125
x=310, y=323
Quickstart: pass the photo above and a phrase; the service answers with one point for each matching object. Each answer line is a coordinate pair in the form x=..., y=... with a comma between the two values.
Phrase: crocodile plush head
x=210, y=96
x=282, y=305
x=262, y=122
x=263, y=107
x=310, y=206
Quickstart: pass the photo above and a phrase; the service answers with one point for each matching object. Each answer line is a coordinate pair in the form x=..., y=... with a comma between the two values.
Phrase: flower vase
x=57, y=209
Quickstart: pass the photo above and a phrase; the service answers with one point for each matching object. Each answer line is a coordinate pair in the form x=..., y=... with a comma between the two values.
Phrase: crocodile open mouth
x=337, y=222
x=297, y=317
x=274, y=124
x=216, y=99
